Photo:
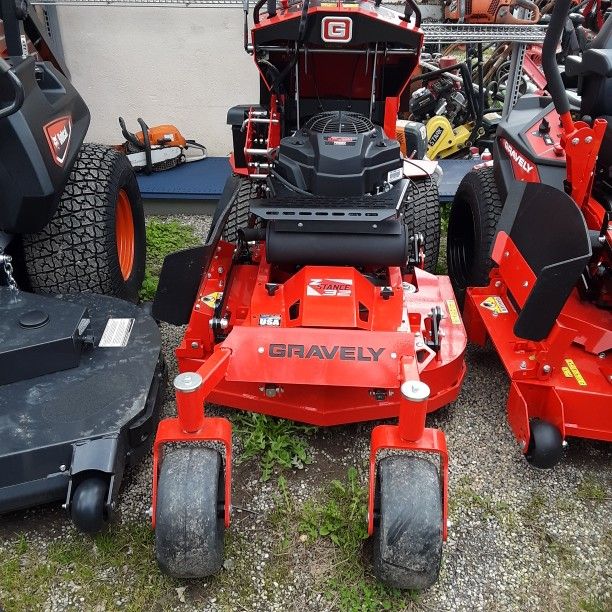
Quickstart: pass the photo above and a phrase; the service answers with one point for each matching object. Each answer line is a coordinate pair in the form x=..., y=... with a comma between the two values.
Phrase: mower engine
x=340, y=152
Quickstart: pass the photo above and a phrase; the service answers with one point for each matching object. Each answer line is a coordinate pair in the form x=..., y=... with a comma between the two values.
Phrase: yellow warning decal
x=495, y=304
x=566, y=372
x=453, y=312
x=211, y=298
x=575, y=372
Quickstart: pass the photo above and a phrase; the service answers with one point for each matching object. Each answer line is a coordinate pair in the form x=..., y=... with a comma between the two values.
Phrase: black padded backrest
x=550, y=232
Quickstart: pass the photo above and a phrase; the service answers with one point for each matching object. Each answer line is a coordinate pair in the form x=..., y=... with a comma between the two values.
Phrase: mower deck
x=97, y=417
x=323, y=346
x=574, y=394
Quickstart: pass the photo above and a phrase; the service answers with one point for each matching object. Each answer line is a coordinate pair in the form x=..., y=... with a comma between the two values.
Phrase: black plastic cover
x=31, y=177
x=550, y=233
x=342, y=163
x=37, y=340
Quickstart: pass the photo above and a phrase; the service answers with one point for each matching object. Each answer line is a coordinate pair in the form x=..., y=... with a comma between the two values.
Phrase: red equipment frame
x=565, y=379
x=356, y=367
x=323, y=345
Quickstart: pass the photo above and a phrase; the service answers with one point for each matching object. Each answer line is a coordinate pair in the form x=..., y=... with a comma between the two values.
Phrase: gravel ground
x=520, y=539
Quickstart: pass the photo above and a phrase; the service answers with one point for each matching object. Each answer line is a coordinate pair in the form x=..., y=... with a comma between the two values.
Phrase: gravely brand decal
x=523, y=169
x=58, y=134
x=336, y=29
x=319, y=351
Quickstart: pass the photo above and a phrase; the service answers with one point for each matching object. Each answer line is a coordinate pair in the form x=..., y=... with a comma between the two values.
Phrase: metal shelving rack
x=520, y=35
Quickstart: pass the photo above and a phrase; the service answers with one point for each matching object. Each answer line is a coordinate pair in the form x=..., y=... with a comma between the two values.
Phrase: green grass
x=116, y=565
x=163, y=238
x=338, y=518
x=590, y=489
x=276, y=443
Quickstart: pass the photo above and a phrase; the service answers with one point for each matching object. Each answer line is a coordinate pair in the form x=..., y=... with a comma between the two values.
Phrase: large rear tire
x=240, y=214
x=471, y=231
x=421, y=212
x=96, y=240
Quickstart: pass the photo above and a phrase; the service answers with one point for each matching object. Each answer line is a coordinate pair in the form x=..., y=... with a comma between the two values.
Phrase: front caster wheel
x=88, y=505
x=545, y=447
x=407, y=548
x=189, y=525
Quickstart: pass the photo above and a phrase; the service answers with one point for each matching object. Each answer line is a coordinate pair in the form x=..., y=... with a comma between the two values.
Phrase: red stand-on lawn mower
x=530, y=248
x=313, y=298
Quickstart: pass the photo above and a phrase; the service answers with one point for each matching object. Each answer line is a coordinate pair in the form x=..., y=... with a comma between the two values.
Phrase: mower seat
x=550, y=233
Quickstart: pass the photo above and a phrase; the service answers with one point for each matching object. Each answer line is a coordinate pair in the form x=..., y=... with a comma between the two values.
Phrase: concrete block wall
x=166, y=65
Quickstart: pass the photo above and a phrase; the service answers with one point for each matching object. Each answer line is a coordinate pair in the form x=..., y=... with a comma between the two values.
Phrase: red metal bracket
x=388, y=437
x=410, y=434
x=214, y=429
x=192, y=426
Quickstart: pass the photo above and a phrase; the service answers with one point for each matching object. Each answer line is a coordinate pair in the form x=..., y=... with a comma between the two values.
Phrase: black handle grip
x=412, y=8
x=555, y=85
x=147, y=145
x=256, y=10
x=16, y=104
x=128, y=135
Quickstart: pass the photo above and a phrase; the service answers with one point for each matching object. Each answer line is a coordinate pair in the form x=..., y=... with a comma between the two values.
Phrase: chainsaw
x=490, y=11
x=158, y=148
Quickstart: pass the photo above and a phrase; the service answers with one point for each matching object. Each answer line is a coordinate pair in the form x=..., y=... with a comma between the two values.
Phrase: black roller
x=337, y=249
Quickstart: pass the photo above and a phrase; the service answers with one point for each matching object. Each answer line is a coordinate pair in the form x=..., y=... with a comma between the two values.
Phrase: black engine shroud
x=339, y=153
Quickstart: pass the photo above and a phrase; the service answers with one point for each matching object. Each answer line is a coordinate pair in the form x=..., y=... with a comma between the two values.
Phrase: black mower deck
x=96, y=418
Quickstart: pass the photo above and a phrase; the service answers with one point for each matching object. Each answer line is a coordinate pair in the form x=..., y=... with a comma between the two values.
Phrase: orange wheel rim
x=124, y=229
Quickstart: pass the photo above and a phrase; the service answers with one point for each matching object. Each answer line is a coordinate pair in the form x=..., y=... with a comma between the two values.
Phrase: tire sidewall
x=124, y=178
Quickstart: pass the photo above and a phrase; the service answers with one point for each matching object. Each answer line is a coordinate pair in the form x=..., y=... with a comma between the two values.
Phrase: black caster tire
x=87, y=509
x=96, y=240
x=421, y=212
x=189, y=520
x=407, y=541
x=545, y=448
x=472, y=228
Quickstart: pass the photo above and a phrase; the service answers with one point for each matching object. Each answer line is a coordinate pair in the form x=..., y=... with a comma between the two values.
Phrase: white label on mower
x=395, y=175
x=334, y=287
x=268, y=320
x=116, y=333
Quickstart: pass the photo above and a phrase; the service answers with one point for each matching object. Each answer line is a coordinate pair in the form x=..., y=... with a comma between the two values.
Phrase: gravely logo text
x=319, y=351
x=516, y=157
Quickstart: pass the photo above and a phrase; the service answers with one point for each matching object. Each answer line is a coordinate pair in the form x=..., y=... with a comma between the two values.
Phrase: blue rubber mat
x=204, y=180
x=454, y=170
x=200, y=180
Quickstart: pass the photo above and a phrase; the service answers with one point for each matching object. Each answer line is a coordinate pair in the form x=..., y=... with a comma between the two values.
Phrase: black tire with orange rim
x=96, y=240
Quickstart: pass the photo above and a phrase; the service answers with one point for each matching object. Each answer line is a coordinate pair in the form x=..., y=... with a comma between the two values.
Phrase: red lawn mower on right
x=530, y=253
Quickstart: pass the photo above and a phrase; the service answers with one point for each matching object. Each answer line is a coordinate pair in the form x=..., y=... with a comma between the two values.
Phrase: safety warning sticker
x=571, y=371
x=453, y=312
x=495, y=304
x=211, y=298
x=336, y=287
x=116, y=333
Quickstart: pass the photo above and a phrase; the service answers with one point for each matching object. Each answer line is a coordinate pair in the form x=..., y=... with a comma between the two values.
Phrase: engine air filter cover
x=339, y=153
